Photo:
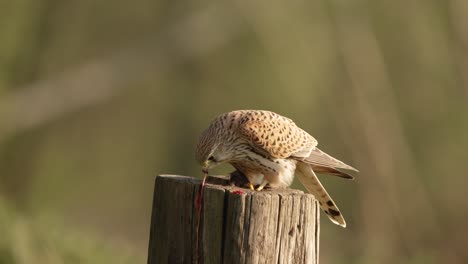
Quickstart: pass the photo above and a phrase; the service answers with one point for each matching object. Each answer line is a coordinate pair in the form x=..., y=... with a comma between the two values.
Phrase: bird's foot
x=264, y=183
x=251, y=186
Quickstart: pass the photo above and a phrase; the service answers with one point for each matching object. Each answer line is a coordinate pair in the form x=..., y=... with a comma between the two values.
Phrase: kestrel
x=270, y=149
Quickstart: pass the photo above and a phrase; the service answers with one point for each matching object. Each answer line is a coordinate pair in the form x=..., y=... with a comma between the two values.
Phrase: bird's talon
x=251, y=186
x=264, y=183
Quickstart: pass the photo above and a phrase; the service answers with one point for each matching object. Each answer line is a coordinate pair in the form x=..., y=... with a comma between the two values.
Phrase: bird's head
x=211, y=150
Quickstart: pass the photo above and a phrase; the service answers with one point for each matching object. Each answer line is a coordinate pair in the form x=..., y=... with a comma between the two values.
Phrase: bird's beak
x=205, y=167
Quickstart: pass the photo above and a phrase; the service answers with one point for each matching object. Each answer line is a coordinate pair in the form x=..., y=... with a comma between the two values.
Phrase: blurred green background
x=98, y=97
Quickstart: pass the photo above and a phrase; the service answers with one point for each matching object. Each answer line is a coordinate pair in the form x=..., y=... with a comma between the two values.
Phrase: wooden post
x=236, y=225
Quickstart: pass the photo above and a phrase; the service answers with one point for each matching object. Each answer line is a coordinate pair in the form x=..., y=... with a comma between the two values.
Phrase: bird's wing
x=332, y=171
x=276, y=136
x=321, y=159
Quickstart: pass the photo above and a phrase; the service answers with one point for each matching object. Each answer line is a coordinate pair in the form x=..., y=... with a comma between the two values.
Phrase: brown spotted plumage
x=270, y=149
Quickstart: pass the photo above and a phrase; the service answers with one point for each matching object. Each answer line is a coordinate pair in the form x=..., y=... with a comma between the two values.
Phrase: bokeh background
x=98, y=97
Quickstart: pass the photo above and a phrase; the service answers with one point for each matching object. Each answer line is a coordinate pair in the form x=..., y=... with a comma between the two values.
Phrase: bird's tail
x=310, y=181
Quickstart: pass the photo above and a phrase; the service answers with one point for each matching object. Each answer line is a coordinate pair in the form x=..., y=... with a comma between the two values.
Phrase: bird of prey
x=269, y=149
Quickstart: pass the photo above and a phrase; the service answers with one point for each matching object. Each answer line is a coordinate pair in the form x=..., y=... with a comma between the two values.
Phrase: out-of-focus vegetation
x=45, y=240
x=98, y=97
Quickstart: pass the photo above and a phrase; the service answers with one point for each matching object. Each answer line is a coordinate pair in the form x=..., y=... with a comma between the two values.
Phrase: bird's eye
x=211, y=158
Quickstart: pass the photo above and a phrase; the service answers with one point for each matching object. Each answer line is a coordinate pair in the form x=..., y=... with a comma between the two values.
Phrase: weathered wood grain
x=236, y=225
